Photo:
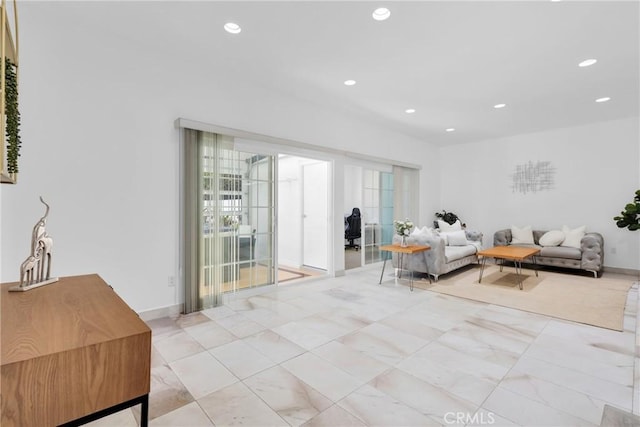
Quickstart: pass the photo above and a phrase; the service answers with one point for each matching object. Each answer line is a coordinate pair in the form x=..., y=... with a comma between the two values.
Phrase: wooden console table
x=71, y=352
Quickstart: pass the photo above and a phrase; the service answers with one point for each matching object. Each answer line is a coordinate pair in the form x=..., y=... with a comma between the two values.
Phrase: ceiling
x=451, y=61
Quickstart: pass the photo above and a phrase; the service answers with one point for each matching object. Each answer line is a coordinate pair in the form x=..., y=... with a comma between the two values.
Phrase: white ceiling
x=450, y=60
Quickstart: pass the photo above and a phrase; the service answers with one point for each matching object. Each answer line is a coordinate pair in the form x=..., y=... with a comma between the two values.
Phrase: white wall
x=597, y=173
x=352, y=188
x=100, y=145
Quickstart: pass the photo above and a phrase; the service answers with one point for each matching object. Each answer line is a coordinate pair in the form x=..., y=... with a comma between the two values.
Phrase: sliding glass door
x=228, y=219
x=378, y=212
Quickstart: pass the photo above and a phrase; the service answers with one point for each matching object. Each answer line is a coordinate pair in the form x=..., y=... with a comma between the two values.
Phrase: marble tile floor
x=349, y=352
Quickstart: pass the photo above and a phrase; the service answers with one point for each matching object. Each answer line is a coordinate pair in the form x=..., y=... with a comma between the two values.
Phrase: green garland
x=13, y=117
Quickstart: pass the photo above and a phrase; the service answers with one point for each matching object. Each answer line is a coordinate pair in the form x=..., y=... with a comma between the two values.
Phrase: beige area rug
x=599, y=302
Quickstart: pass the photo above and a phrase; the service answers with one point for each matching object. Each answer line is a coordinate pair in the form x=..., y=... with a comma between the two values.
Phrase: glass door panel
x=386, y=208
x=236, y=224
x=378, y=213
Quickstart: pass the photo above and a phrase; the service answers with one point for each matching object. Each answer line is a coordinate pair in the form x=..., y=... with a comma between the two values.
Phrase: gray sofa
x=440, y=259
x=589, y=257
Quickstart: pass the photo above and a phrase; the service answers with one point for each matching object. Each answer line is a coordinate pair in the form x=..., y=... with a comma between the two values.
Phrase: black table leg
x=484, y=261
x=144, y=411
x=383, y=266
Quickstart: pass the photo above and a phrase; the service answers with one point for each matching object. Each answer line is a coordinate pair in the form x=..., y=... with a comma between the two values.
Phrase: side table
x=401, y=251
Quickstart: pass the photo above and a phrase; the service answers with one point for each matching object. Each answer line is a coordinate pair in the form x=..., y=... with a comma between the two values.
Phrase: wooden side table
x=71, y=352
x=401, y=251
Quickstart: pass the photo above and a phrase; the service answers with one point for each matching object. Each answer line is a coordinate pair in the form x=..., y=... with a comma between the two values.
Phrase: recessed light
x=410, y=110
x=555, y=1
x=450, y=129
x=605, y=99
x=232, y=27
x=499, y=105
x=587, y=62
x=349, y=82
x=381, y=13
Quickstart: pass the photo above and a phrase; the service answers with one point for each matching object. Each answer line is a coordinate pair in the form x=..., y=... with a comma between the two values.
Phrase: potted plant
x=630, y=216
x=403, y=228
x=448, y=217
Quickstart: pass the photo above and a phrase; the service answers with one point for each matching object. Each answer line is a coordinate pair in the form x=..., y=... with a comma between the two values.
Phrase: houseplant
x=448, y=217
x=630, y=216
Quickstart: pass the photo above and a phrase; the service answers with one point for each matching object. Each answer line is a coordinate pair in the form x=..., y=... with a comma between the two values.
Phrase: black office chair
x=352, y=229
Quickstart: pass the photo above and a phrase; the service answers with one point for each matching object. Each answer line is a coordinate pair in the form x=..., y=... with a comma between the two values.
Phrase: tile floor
x=348, y=352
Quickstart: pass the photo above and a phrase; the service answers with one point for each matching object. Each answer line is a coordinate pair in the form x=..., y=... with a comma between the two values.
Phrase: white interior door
x=315, y=219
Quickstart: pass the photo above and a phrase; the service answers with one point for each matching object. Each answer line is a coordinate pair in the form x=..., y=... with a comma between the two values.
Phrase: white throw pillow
x=417, y=231
x=572, y=237
x=456, y=238
x=422, y=233
x=521, y=236
x=446, y=227
x=552, y=238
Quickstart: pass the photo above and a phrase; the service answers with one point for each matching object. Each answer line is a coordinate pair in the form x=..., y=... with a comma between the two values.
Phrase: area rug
x=599, y=302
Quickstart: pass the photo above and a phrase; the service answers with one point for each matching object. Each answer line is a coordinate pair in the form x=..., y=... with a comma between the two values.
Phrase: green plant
x=630, y=216
x=448, y=217
x=13, y=116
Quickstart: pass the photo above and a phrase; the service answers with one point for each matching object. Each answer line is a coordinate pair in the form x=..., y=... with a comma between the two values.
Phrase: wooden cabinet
x=69, y=350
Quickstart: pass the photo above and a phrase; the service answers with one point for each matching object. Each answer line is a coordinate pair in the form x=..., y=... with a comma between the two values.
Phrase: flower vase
x=403, y=242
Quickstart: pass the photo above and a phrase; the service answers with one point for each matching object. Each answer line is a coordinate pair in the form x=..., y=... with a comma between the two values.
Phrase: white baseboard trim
x=157, y=313
x=618, y=270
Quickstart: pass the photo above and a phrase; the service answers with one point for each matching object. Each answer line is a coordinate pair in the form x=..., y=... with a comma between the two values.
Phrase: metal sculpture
x=35, y=271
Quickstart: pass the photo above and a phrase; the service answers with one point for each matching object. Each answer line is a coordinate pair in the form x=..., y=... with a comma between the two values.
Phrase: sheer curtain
x=227, y=218
x=406, y=194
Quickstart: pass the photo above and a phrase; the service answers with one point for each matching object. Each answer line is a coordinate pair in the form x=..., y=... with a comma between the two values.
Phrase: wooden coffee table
x=402, y=250
x=517, y=254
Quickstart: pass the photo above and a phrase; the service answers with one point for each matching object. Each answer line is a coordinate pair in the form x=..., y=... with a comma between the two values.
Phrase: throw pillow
x=552, y=238
x=417, y=231
x=457, y=238
x=445, y=226
x=521, y=236
x=422, y=233
x=572, y=237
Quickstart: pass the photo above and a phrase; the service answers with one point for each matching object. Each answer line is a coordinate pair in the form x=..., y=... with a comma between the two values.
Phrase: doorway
x=303, y=216
x=228, y=219
x=372, y=192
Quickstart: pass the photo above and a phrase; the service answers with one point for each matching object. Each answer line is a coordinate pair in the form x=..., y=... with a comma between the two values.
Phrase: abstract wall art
x=532, y=177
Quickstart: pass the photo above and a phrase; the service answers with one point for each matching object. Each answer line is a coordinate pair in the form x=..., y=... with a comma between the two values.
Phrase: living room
x=99, y=102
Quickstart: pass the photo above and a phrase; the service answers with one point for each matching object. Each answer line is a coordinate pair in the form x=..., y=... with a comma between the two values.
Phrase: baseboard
x=618, y=270
x=157, y=313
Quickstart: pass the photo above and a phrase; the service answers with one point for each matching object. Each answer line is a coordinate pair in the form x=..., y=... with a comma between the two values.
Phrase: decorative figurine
x=32, y=271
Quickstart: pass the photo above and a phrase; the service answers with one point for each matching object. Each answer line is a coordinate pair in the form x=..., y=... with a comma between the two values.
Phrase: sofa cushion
x=424, y=232
x=445, y=226
x=522, y=235
x=560, y=252
x=453, y=253
x=456, y=238
x=572, y=237
x=552, y=238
